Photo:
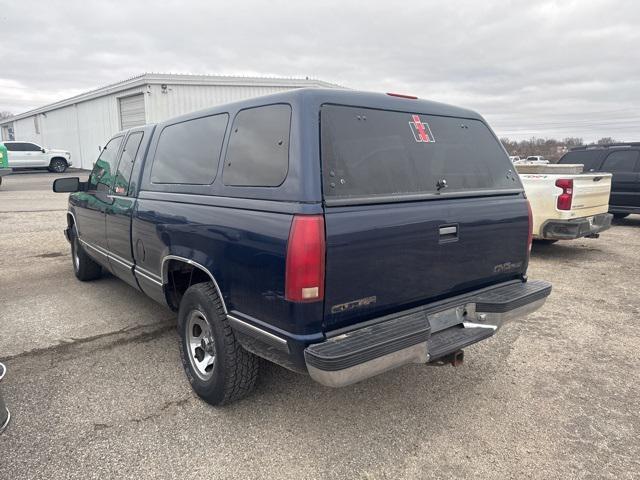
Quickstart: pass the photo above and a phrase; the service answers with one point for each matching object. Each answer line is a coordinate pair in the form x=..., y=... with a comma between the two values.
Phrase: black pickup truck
x=620, y=159
x=337, y=233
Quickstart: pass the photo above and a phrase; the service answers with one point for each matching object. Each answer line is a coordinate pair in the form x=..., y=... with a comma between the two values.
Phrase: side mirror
x=67, y=185
x=43, y=150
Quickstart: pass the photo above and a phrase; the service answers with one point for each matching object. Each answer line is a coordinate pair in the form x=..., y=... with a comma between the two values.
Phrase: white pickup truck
x=566, y=203
x=32, y=155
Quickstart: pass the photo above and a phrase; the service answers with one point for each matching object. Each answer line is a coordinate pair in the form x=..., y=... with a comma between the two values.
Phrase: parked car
x=4, y=162
x=536, y=159
x=514, y=158
x=566, y=203
x=336, y=233
x=622, y=160
x=32, y=155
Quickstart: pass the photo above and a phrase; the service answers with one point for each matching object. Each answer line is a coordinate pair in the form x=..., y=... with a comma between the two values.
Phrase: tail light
x=565, y=198
x=530, y=236
x=304, y=281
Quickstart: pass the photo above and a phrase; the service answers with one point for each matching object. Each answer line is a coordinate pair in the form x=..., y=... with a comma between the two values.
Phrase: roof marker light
x=400, y=95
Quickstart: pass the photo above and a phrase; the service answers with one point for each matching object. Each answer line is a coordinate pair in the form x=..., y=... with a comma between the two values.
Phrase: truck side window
x=189, y=152
x=258, y=152
x=125, y=166
x=621, y=161
x=101, y=176
x=31, y=147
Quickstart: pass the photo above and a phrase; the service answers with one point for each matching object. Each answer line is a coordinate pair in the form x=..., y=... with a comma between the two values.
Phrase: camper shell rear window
x=371, y=154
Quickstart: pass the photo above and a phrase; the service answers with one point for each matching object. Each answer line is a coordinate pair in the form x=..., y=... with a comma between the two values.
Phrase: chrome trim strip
x=144, y=271
x=92, y=247
x=108, y=254
x=138, y=271
x=195, y=264
x=269, y=337
x=119, y=260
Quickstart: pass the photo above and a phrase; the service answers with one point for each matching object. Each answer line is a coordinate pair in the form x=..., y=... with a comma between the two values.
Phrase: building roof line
x=173, y=79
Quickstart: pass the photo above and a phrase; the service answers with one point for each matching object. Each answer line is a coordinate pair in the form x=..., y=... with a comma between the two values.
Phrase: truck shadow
x=630, y=221
x=569, y=250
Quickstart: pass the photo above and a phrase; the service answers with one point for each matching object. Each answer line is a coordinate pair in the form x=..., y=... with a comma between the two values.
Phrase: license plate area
x=452, y=316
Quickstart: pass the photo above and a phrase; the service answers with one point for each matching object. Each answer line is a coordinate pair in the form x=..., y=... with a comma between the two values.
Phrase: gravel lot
x=96, y=387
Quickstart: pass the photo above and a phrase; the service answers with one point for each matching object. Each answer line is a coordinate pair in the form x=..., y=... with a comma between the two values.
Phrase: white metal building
x=82, y=123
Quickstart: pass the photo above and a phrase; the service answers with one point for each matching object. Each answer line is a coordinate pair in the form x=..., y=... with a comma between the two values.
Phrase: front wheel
x=218, y=368
x=58, y=165
x=84, y=267
x=619, y=216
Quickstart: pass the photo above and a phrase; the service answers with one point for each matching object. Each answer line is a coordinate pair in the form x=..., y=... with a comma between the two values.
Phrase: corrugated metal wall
x=83, y=127
x=79, y=128
x=181, y=99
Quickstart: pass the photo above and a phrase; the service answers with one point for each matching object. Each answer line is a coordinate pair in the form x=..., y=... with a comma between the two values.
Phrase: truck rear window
x=589, y=158
x=369, y=153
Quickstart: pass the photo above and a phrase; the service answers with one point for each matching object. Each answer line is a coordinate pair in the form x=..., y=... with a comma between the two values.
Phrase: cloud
x=563, y=68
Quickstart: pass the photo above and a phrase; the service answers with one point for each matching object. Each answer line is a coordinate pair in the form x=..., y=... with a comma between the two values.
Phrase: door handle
x=448, y=233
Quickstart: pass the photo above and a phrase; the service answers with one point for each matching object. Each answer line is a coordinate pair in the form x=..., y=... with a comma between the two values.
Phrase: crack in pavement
x=66, y=345
x=97, y=427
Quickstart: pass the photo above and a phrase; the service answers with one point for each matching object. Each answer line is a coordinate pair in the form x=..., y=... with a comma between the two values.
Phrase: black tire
x=545, y=241
x=619, y=216
x=58, y=165
x=84, y=266
x=233, y=371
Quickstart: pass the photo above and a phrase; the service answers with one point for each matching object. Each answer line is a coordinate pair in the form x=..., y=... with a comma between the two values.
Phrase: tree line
x=550, y=148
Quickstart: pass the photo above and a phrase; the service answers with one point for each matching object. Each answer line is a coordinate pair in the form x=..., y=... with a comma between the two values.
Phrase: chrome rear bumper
x=420, y=335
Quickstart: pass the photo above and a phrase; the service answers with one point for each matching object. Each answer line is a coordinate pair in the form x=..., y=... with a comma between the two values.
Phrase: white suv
x=31, y=155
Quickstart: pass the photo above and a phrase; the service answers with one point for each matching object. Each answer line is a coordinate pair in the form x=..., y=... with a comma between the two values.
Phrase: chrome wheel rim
x=58, y=167
x=200, y=346
x=76, y=258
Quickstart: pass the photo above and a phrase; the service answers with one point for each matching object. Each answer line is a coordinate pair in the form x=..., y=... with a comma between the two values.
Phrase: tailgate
x=591, y=193
x=418, y=207
x=386, y=258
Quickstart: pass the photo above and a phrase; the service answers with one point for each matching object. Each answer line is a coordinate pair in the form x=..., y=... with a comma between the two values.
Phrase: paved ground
x=97, y=390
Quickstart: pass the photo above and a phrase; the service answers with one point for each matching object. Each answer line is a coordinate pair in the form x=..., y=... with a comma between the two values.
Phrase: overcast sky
x=555, y=69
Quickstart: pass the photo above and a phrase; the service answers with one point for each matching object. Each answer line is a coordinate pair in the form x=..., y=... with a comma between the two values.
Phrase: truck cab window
x=101, y=176
x=123, y=173
x=621, y=161
x=258, y=153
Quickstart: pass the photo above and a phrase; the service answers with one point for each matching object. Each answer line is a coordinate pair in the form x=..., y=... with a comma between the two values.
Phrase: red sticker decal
x=421, y=131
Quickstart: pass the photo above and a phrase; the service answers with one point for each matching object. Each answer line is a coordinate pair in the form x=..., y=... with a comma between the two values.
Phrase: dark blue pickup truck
x=336, y=233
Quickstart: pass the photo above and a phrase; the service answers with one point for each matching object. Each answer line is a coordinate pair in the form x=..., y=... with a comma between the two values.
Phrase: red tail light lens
x=530, y=237
x=565, y=198
x=304, y=280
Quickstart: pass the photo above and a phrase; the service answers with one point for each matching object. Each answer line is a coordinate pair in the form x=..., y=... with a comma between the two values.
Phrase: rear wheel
x=58, y=165
x=218, y=368
x=618, y=216
x=84, y=267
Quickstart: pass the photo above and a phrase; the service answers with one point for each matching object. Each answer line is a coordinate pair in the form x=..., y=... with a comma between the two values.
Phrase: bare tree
x=5, y=114
x=549, y=148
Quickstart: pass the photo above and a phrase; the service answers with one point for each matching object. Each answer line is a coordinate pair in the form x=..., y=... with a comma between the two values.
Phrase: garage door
x=132, y=111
